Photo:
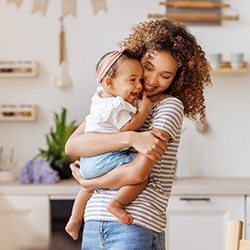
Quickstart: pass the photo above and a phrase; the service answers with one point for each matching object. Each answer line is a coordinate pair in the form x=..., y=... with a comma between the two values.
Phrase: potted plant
x=56, y=140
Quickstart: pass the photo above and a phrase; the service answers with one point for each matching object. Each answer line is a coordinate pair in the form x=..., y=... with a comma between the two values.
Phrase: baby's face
x=128, y=80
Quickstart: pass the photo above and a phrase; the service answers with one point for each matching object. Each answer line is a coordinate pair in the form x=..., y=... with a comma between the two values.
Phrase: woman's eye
x=165, y=77
x=147, y=67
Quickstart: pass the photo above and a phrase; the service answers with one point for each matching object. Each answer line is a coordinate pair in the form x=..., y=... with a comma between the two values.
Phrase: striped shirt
x=149, y=208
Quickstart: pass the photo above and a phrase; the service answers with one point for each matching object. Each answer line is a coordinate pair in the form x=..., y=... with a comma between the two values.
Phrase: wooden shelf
x=193, y=11
x=194, y=17
x=195, y=4
x=227, y=69
x=18, y=69
x=18, y=113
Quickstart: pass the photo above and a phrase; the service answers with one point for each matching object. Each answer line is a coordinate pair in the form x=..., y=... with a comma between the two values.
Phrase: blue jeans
x=111, y=235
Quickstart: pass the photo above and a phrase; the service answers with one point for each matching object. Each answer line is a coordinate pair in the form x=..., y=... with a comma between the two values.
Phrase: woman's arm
x=89, y=144
x=128, y=174
x=152, y=144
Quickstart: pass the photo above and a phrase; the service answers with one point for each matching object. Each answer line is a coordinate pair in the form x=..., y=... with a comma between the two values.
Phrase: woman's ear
x=109, y=82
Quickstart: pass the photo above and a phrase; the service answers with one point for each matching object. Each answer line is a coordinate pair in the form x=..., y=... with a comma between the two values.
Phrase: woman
x=175, y=74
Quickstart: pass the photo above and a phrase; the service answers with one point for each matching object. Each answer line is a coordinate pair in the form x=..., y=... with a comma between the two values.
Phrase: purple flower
x=37, y=172
x=26, y=173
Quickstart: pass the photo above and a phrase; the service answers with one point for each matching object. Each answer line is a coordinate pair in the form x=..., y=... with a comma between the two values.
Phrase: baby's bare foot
x=73, y=226
x=116, y=208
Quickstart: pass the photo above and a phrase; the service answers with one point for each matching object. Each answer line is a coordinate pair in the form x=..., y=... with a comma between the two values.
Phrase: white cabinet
x=198, y=212
x=200, y=222
x=24, y=222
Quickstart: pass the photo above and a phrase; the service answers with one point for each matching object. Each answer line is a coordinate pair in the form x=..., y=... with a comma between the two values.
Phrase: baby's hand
x=144, y=103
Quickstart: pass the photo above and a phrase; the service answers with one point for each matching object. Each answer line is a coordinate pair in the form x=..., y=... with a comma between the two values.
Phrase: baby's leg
x=75, y=220
x=123, y=197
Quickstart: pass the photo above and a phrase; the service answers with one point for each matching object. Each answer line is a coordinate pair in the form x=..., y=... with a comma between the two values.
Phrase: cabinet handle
x=195, y=199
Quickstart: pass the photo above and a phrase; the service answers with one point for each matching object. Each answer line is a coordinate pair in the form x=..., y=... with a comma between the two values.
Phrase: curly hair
x=194, y=71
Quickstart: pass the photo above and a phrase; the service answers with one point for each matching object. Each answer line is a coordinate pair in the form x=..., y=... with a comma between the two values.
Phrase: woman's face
x=160, y=68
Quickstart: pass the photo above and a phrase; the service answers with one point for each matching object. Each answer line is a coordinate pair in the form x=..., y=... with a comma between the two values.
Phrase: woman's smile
x=148, y=88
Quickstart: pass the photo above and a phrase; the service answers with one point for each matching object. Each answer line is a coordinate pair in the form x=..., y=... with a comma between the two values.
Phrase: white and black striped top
x=149, y=208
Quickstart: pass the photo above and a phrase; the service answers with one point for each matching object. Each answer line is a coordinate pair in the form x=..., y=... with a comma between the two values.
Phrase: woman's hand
x=88, y=183
x=151, y=144
x=75, y=168
x=76, y=174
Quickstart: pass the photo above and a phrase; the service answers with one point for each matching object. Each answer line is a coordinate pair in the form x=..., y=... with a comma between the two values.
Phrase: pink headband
x=107, y=62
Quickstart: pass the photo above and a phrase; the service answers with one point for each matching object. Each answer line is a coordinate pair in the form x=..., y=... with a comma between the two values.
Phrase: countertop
x=181, y=186
x=217, y=186
x=69, y=187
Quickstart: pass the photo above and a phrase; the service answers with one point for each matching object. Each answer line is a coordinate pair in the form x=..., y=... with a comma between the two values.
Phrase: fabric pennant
x=16, y=2
x=40, y=6
x=68, y=7
x=99, y=5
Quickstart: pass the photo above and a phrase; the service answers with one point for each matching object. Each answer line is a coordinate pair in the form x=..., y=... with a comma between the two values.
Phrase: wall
x=222, y=151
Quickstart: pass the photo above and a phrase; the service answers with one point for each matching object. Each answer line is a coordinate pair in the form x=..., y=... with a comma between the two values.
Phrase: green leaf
x=57, y=138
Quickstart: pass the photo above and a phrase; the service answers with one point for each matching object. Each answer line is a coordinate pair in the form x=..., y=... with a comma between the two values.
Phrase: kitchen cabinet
x=24, y=222
x=25, y=213
x=198, y=212
x=200, y=221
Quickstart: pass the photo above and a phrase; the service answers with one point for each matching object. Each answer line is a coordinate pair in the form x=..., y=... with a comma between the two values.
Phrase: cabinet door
x=24, y=222
x=200, y=222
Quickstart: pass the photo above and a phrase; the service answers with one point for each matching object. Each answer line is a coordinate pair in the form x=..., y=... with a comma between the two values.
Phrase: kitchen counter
x=31, y=203
x=65, y=188
x=182, y=186
x=217, y=186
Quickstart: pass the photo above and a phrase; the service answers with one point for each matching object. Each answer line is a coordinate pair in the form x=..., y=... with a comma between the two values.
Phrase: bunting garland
x=16, y=2
x=99, y=5
x=68, y=6
x=40, y=6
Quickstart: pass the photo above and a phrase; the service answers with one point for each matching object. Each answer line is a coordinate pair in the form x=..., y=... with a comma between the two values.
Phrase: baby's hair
x=126, y=55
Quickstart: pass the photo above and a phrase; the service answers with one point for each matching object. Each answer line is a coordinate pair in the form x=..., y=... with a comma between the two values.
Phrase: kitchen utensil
x=63, y=79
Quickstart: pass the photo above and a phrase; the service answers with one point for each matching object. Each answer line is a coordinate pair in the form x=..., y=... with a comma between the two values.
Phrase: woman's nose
x=152, y=78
